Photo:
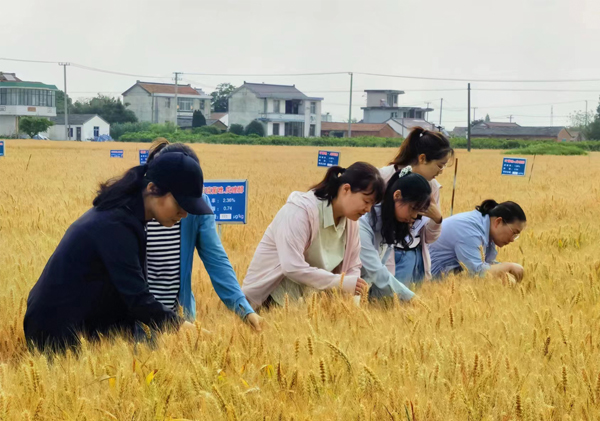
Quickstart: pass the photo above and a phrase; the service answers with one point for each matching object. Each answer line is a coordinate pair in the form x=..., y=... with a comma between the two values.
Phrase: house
x=382, y=105
x=282, y=109
x=358, y=130
x=403, y=126
x=155, y=102
x=20, y=98
x=81, y=127
x=514, y=131
x=222, y=117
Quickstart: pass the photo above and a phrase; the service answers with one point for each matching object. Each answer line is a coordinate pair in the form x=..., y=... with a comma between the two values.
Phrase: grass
x=548, y=149
x=470, y=349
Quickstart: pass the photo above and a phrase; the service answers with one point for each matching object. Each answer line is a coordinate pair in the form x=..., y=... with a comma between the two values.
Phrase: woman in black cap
x=96, y=280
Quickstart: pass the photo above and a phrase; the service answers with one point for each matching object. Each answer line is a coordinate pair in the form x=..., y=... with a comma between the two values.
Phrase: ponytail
x=508, y=211
x=361, y=176
x=119, y=191
x=160, y=145
x=434, y=145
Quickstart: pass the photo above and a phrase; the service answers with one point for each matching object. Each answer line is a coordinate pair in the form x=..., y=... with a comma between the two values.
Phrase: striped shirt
x=164, y=258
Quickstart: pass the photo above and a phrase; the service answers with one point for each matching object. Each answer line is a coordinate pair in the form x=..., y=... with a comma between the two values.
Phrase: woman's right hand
x=362, y=288
x=514, y=269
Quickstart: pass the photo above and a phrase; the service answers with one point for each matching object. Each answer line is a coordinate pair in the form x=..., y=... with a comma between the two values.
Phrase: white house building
x=81, y=127
x=23, y=99
x=282, y=109
x=155, y=102
x=382, y=105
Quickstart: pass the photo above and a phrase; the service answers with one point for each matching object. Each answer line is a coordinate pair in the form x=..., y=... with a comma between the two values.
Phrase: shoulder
x=387, y=172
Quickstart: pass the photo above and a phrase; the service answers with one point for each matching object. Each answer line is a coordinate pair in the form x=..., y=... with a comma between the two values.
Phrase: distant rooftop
x=384, y=91
x=11, y=79
x=165, y=88
x=264, y=90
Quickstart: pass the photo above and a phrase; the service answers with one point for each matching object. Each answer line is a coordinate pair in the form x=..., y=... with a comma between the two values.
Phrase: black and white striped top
x=164, y=258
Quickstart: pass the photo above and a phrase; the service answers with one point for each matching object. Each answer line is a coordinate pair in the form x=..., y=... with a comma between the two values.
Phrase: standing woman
x=95, y=282
x=313, y=242
x=388, y=225
x=471, y=238
x=171, y=256
x=427, y=153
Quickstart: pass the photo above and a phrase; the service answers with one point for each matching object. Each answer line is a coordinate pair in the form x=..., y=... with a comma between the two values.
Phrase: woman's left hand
x=255, y=321
x=434, y=213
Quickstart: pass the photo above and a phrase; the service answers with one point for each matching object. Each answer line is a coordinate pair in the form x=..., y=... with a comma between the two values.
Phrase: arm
x=373, y=269
x=468, y=252
x=432, y=230
x=217, y=264
x=353, y=250
x=119, y=249
x=291, y=236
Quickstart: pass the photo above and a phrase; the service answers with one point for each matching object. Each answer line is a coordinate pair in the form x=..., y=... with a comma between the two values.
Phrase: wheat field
x=468, y=350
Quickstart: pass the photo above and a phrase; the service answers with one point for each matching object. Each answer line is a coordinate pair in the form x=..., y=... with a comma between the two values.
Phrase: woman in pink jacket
x=313, y=243
x=428, y=153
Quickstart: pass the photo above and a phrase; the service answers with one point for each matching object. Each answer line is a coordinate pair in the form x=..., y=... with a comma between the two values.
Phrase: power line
x=481, y=80
x=95, y=69
x=29, y=61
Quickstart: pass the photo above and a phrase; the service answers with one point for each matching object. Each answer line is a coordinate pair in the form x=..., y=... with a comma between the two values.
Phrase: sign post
x=1, y=147
x=116, y=153
x=514, y=166
x=144, y=156
x=229, y=201
x=328, y=159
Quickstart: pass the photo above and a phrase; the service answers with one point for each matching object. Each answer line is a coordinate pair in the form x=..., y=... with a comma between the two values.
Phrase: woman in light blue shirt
x=471, y=238
x=389, y=224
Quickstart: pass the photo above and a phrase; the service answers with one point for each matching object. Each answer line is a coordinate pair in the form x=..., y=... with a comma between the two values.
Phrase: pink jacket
x=280, y=253
x=429, y=233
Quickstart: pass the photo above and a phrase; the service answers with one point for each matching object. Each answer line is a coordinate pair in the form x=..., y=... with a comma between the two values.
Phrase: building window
x=185, y=104
x=168, y=103
x=275, y=129
x=419, y=114
x=276, y=106
x=96, y=131
x=202, y=105
x=70, y=132
x=312, y=130
x=394, y=115
x=313, y=107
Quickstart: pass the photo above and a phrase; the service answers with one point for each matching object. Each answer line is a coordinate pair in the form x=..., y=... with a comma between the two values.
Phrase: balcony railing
x=282, y=117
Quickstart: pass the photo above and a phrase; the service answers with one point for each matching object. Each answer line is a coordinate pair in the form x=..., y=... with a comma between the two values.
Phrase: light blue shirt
x=373, y=255
x=460, y=241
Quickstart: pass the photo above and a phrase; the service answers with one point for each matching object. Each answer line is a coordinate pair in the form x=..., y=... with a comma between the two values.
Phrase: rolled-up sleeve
x=468, y=252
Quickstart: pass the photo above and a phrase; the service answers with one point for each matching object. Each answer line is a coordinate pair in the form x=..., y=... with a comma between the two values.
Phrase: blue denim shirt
x=200, y=232
x=462, y=236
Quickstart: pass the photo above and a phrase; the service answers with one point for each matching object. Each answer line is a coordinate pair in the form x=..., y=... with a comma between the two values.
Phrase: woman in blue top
x=388, y=225
x=171, y=254
x=471, y=238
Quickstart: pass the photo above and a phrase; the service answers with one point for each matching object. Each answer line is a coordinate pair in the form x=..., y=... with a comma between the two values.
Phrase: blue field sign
x=116, y=153
x=144, y=156
x=328, y=159
x=1, y=147
x=514, y=166
x=229, y=200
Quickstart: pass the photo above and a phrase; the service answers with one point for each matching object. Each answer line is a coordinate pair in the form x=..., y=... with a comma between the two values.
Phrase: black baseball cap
x=179, y=174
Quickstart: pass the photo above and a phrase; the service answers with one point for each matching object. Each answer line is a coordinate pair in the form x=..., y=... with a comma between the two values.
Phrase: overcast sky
x=501, y=39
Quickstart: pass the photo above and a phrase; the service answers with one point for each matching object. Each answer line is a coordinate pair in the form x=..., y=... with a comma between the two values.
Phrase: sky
x=460, y=39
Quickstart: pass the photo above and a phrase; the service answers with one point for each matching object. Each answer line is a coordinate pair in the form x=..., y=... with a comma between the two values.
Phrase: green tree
x=579, y=120
x=220, y=100
x=476, y=122
x=255, y=127
x=236, y=129
x=110, y=109
x=60, y=102
x=34, y=125
x=198, y=119
x=592, y=131
x=487, y=118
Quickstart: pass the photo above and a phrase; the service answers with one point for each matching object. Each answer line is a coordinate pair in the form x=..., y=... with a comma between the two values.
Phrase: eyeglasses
x=516, y=234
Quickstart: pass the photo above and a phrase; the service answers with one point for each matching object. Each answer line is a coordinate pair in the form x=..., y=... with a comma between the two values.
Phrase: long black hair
x=361, y=176
x=416, y=191
x=420, y=141
x=508, y=211
x=118, y=192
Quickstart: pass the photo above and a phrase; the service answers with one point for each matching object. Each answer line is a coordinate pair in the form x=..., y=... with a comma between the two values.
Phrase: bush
x=255, y=127
x=554, y=149
x=207, y=130
x=198, y=119
x=34, y=125
x=119, y=129
x=236, y=129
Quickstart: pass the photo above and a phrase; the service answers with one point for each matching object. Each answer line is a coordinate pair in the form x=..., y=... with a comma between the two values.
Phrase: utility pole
x=67, y=137
x=350, y=107
x=552, y=115
x=510, y=118
x=176, y=105
x=586, y=113
x=469, y=117
x=474, y=115
x=441, y=106
x=427, y=112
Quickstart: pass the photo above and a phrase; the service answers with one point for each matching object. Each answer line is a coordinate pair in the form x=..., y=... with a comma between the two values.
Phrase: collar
x=328, y=220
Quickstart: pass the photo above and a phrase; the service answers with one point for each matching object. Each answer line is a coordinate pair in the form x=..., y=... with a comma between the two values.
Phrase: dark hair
x=508, y=211
x=420, y=141
x=415, y=190
x=119, y=191
x=361, y=176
